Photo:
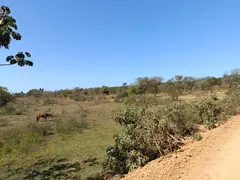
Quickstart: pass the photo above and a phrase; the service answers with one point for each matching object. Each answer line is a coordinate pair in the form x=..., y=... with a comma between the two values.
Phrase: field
x=85, y=144
x=71, y=144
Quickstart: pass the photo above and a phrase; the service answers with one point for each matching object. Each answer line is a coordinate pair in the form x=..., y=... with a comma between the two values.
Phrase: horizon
x=128, y=84
x=108, y=43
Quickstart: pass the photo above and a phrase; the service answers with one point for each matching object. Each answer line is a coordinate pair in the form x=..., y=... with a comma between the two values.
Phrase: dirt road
x=215, y=157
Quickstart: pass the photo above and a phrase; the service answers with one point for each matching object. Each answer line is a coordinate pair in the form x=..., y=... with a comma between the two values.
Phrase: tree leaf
x=28, y=54
x=13, y=61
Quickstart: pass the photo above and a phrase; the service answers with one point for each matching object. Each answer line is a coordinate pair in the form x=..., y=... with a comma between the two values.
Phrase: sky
x=92, y=43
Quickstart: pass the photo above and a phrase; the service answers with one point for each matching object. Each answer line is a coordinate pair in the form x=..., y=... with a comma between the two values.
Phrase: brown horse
x=43, y=115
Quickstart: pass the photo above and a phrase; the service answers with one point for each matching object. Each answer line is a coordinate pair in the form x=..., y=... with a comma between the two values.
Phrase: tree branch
x=6, y=64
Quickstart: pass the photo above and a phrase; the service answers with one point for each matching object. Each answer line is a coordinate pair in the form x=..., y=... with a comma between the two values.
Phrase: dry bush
x=145, y=135
x=145, y=100
x=50, y=101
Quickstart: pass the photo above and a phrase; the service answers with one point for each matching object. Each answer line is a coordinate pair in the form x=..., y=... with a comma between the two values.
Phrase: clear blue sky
x=90, y=43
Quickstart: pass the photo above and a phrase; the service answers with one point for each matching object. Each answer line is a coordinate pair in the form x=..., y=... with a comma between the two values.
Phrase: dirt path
x=215, y=157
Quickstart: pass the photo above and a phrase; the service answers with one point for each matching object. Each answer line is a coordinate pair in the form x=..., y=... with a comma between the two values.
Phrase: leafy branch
x=8, y=28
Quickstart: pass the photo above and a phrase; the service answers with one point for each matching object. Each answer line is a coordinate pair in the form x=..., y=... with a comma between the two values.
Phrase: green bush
x=231, y=103
x=197, y=137
x=7, y=110
x=50, y=101
x=145, y=100
x=79, y=97
x=145, y=135
x=181, y=118
x=5, y=97
x=210, y=111
x=119, y=98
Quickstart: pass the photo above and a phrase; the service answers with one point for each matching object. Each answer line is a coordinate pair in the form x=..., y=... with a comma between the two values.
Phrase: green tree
x=35, y=93
x=8, y=28
x=175, y=87
x=5, y=96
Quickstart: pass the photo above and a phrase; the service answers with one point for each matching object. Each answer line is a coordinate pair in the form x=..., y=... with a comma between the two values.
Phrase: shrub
x=197, y=137
x=7, y=110
x=118, y=98
x=79, y=97
x=181, y=118
x=5, y=96
x=145, y=135
x=210, y=111
x=145, y=100
x=50, y=101
x=231, y=103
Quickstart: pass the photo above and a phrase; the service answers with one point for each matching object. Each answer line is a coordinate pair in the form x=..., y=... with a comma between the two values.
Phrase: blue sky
x=91, y=43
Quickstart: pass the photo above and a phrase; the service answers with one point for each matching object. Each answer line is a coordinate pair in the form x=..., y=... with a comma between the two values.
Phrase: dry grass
x=90, y=140
x=80, y=130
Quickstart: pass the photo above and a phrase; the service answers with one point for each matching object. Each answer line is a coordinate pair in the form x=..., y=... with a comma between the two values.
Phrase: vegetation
x=8, y=32
x=5, y=96
x=151, y=119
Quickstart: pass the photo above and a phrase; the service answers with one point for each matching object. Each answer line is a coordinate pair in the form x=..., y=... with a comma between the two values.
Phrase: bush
x=231, y=103
x=145, y=100
x=78, y=97
x=7, y=110
x=181, y=118
x=197, y=137
x=145, y=135
x=120, y=97
x=210, y=111
x=50, y=101
x=5, y=97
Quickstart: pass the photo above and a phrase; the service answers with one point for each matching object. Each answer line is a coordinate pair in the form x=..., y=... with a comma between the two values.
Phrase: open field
x=77, y=135
x=80, y=146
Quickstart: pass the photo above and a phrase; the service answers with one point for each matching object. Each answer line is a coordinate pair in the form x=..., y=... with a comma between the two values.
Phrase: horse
x=43, y=115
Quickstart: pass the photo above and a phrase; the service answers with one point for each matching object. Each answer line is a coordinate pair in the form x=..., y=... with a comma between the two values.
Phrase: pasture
x=71, y=144
x=78, y=132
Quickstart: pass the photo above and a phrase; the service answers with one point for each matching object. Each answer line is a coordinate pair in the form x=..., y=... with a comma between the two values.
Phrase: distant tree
x=35, y=92
x=154, y=84
x=233, y=80
x=174, y=87
x=5, y=96
x=189, y=83
x=7, y=33
x=21, y=94
x=105, y=90
x=148, y=85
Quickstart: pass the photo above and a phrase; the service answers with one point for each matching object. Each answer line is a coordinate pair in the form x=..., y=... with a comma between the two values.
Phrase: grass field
x=89, y=143
x=71, y=144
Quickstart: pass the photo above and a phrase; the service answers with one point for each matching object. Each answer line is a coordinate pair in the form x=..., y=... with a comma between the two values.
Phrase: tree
x=175, y=87
x=7, y=33
x=149, y=85
x=5, y=96
x=35, y=93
